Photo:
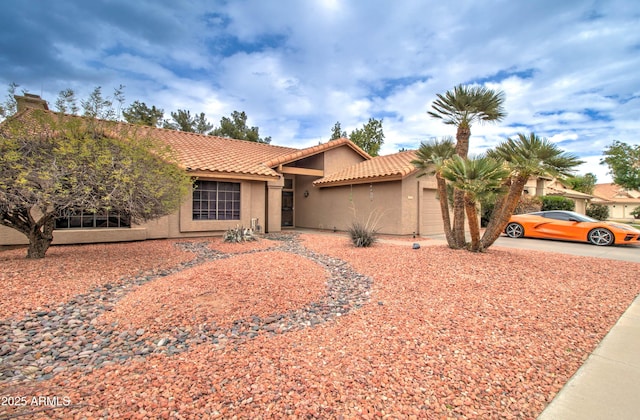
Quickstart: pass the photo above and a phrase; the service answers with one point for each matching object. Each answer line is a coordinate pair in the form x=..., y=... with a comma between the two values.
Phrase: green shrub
x=556, y=202
x=239, y=234
x=598, y=211
x=362, y=235
x=636, y=212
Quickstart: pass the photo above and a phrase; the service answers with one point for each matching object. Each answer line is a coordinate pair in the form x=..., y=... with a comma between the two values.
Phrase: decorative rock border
x=66, y=336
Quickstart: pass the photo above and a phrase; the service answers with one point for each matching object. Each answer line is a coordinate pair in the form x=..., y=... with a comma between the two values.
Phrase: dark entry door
x=287, y=208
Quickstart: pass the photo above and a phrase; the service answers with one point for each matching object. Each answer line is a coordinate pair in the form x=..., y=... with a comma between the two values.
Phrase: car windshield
x=573, y=216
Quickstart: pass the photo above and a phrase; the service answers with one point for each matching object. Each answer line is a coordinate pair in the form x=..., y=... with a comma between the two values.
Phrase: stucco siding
x=176, y=225
x=340, y=158
x=621, y=211
x=410, y=206
x=339, y=207
x=11, y=237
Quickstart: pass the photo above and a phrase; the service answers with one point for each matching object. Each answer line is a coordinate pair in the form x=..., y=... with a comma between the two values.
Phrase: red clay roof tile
x=379, y=168
x=313, y=150
x=203, y=153
x=199, y=152
x=616, y=193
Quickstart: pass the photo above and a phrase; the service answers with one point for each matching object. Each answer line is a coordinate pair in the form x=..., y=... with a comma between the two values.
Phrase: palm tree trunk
x=444, y=209
x=458, y=218
x=462, y=140
x=474, y=228
x=462, y=149
x=503, y=211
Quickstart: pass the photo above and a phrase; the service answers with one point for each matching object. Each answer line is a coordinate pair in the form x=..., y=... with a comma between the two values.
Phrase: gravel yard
x=299, y=327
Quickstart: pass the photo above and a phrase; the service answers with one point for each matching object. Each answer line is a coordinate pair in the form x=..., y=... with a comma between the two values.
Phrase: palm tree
x=474, y=177
x=466, y=105
x=462, y=107
x=524, y=156
x=430, y=159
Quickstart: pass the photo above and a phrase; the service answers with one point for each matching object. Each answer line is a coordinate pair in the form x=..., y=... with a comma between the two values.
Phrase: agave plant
x=239, y=234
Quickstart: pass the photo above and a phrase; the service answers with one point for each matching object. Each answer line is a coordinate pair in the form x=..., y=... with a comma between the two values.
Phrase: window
x=557, y=215
x=74, y=219
x=213, y=200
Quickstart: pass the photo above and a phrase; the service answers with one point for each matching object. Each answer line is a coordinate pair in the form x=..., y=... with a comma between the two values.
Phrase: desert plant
x=362, y=235
x=556, y=202
x=598, y=211
x=239, y=234
x=461, y=107
x=475, y=177
x=636, y=212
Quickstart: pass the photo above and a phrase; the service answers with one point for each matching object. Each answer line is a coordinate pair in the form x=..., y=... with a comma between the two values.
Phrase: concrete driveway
x=617, y=252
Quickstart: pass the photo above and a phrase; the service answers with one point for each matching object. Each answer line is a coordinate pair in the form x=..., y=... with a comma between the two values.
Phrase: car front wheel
x=601, y=237
x=514, y=230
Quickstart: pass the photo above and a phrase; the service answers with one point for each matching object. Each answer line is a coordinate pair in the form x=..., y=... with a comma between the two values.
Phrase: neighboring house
x=269, y=188
x=621, y=201
x=550, y=186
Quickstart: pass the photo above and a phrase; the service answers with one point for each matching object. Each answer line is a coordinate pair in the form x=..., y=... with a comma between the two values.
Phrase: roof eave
x=315, y=150
x=358, y=181
x=232, y=175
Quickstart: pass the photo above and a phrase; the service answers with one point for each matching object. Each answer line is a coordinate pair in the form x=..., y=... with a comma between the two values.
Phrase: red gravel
x=447, y=334
x=70, y=270
x=221, y=292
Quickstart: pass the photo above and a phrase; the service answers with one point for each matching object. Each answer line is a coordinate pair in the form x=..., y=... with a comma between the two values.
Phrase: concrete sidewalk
x=607, y=386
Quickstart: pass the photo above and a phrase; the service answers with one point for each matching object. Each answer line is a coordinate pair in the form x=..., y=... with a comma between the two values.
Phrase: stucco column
x=274, y=205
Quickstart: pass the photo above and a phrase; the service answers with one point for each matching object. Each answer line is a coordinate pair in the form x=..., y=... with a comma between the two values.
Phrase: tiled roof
x=379, y=168
x=566, y=192
x=199, y=152
x=203, y=153
x=616, y=193
x=218, y=155
x=313, y=150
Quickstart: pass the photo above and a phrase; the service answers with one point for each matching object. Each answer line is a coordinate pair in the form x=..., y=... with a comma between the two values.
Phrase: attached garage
x=430, y=217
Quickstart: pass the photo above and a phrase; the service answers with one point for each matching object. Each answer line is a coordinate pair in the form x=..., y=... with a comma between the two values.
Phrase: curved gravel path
x=68, y=337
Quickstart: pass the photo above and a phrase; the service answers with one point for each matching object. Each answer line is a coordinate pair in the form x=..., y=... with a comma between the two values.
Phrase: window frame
x=216, y=201
x=105, y=219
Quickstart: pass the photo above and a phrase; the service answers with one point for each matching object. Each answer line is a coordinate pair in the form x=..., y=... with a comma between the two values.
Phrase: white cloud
x=568, y=69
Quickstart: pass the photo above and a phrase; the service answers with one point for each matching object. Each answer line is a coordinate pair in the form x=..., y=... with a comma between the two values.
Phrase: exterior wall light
x=306, y=193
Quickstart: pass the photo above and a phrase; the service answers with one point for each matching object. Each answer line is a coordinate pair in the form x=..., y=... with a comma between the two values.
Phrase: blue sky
x=569, y=69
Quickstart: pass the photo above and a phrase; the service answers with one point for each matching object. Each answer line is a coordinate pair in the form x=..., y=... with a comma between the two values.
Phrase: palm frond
x=431, y=155
x=531, y=155
x=469, y=103
x=476, y=176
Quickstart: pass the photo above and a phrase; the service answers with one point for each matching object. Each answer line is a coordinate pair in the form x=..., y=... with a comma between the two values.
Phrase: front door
x=287, y=208
x=287, y=203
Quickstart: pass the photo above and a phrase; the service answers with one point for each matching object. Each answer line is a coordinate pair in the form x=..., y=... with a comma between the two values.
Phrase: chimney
x=30, y=100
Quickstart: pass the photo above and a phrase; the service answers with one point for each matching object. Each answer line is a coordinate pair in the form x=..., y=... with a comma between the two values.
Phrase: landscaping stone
x=74, y=341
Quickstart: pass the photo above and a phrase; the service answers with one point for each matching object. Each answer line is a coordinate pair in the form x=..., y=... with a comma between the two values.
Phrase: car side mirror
x=573, y=219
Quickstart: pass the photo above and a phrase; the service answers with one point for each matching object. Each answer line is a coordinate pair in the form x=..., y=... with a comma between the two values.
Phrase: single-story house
x=541, y=186
x=621, y=201
x=269, y=188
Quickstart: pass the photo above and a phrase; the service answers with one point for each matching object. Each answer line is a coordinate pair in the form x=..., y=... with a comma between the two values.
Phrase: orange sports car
x=570, y=226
